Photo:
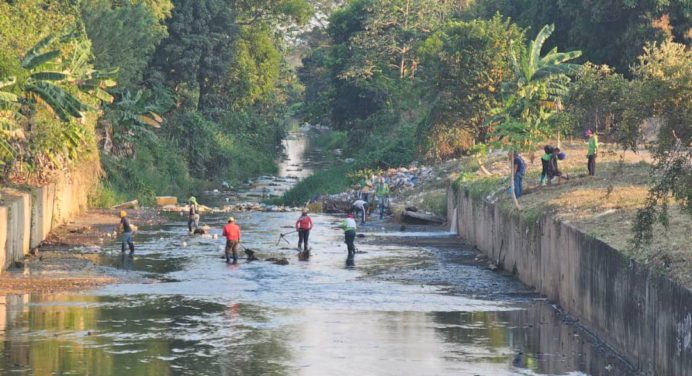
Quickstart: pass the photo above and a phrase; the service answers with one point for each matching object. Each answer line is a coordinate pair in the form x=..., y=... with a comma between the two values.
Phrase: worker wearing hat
x=232, y=233
x=193, y=217
x=127, y=232
x=349, y=227
x=303, y=226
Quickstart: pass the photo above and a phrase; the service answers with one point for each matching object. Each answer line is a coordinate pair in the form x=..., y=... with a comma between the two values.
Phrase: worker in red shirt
x=303, y=226
x=232, y=233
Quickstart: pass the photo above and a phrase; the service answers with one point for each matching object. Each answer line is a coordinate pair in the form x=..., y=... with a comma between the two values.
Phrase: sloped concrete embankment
x=28, y=216
x=643, y=315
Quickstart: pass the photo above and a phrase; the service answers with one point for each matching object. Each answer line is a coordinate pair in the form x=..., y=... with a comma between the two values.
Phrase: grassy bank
x=330, y=180
x=604, y=206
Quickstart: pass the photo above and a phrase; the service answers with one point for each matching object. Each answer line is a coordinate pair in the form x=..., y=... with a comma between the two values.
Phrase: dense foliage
x=202, y=94
x=411, y=79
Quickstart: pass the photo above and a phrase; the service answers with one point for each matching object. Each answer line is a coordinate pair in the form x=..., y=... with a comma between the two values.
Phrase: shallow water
x=414, y=303
x=398, y=309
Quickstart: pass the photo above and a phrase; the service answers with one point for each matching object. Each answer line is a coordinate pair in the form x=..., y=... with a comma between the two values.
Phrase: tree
x=123, y=36
x=596, y=100
x=54, y=74
x=463, y=66
x=662, y=90
x=529, y=101
x=195, y=56
x=609, y=32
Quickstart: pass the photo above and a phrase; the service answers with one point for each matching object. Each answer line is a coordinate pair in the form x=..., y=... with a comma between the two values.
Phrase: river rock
x=420, y=217
x=277, y=260
x=126, y=205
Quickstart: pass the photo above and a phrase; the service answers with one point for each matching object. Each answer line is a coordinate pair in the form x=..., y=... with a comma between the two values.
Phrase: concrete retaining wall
x=18, y=224
x=643, y=315
x=26, y=218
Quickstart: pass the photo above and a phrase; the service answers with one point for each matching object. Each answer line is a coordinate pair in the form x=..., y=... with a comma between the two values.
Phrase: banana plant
x=50, y=78
x=9, y=129
x=530, y=100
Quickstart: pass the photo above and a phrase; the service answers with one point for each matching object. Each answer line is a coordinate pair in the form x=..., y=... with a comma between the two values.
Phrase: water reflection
x=398, y=313
x=351, y=261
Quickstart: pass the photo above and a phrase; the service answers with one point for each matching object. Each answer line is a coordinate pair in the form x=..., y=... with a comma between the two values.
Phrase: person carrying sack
x=303, y=226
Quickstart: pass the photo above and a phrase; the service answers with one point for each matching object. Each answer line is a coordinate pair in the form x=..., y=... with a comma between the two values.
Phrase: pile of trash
x=402, y=179
x=240, y=207
x=399, y=179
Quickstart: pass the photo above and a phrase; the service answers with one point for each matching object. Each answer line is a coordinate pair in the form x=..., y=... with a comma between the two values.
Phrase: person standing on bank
x=127, y=230
x=519, y=169
x=303, y=226
x=232, y=233
x=193, y=217
x=349, y=227
x=593, y=151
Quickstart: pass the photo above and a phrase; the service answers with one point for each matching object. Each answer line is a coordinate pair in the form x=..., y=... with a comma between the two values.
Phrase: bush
x=331, y=180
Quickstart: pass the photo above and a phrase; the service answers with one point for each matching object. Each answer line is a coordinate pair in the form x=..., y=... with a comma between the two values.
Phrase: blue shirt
x=520, y=163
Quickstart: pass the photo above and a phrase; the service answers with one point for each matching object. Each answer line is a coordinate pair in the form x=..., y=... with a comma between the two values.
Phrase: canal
x=404, y=305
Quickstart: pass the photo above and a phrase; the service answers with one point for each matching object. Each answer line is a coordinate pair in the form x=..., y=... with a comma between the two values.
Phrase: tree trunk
x=482, y=168
x=511, y=179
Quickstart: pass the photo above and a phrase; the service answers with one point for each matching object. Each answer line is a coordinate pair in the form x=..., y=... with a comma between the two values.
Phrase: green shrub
x=331, y=180
x=104, y=196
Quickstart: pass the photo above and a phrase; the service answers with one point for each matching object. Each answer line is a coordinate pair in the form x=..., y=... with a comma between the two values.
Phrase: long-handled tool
x=283, y=236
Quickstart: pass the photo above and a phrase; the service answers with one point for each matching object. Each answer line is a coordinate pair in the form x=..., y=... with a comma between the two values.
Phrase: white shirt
x=350, y=223
x=359, y=204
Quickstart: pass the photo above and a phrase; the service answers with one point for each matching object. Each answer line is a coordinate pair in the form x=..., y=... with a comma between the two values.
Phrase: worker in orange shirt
x=232, y=233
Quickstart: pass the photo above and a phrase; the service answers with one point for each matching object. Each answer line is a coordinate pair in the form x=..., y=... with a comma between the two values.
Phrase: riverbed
x=396, y=309
x=416, y=302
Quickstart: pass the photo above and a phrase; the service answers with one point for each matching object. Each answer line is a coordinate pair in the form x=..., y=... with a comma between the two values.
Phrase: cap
x=231, y=219
x=350, y=215
x=123, y=214
x=588, y=132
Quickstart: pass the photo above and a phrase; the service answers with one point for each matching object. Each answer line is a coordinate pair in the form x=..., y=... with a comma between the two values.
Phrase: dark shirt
x=518, y=162
x=126, y=225
x=193, y=209
x=553, y=169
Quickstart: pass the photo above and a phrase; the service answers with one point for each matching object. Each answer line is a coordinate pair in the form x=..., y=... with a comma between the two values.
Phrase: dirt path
x=69, y=259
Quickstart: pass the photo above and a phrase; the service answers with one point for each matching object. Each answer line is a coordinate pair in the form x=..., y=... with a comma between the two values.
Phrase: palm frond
x=64, y=104
x=34, y=61
x=35, y=51
x=537, y=44
x=49, y=76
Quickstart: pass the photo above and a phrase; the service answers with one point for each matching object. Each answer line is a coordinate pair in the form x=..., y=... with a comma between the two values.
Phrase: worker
x=519, y=169
x=360, y=206
x=193, y=217
x=232, y=233
x=593, y=151
x=382, y=193
x=545, y=160
x=554, y=168
x=127, y=230
x=349, y=227
x=303, y=226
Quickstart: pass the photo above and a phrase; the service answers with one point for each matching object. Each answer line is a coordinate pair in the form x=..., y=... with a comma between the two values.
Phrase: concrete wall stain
x=643, y=315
